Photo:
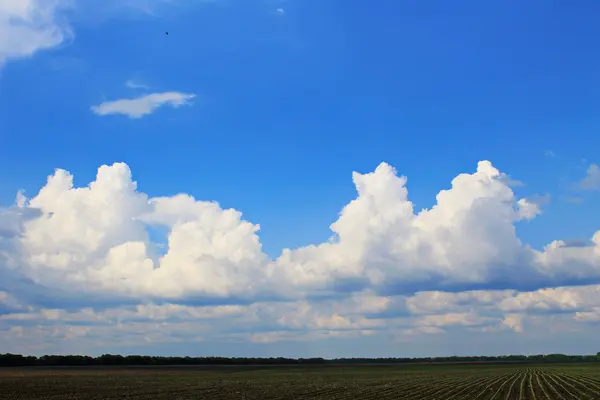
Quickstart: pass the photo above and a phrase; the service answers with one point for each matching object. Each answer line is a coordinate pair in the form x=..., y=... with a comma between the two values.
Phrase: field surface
x=449, y=382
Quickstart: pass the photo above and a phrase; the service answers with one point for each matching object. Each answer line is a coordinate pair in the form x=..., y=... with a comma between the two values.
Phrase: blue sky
x=285, y=100
x=289, y=106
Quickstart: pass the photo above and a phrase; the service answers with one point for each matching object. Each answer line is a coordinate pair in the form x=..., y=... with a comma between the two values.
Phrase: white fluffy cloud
x=143, y=105
x=95, y=238
x=387, y=268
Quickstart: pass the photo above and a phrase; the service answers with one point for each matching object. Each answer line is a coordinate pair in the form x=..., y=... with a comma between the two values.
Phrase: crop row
x=531, y=383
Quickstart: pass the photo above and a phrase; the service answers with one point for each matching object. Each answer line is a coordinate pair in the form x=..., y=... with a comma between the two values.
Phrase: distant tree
x=17, y=360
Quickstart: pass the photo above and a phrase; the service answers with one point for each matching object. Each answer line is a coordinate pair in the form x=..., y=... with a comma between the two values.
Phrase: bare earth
x=448, y=382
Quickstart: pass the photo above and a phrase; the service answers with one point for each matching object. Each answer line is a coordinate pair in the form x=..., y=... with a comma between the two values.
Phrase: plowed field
x=568, y=382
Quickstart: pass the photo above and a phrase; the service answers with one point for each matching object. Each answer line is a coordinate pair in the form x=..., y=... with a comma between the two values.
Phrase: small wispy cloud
x=135, y=85
x=30, y=26
x=280, y=12
x=572, y=199
x=143, y=105
x=592, y=179
x=549, y=153
x=510, y=181
x=540, y=199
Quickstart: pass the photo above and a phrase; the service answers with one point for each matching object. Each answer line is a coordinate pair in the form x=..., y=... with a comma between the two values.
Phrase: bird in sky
x=167, y=33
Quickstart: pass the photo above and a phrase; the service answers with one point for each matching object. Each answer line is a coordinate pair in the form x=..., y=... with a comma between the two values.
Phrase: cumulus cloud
x=458, y=265
x=95, y=238
x=143, y=105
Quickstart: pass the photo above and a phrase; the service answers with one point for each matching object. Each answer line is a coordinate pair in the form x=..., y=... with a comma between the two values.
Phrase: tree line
x=18, y=360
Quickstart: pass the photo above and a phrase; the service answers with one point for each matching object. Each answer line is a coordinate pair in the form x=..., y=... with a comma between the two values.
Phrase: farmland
x=447, y=382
